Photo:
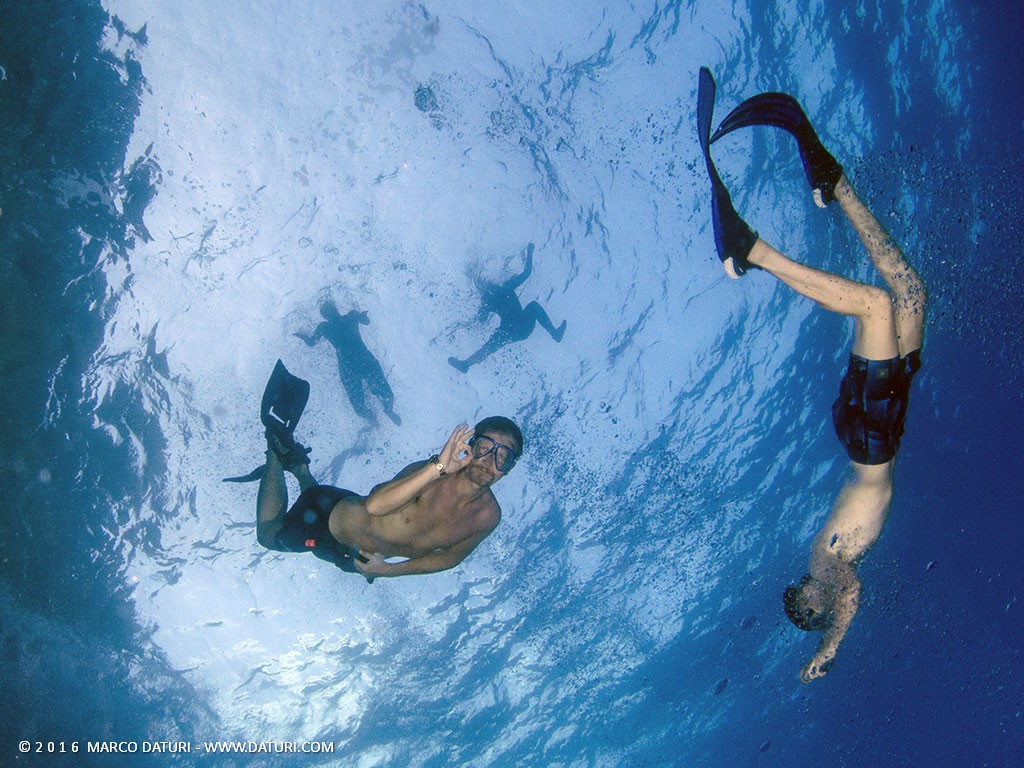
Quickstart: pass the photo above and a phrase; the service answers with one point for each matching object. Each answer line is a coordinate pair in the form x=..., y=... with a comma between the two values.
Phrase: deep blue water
x=679, y=453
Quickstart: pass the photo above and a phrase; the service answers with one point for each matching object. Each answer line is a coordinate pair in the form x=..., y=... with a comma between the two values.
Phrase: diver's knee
x=878, y=304
x=916, y=292
x=266, y=535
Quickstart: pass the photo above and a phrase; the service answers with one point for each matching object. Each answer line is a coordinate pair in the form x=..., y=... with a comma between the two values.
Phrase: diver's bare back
x=438, y=518
x=859, y=513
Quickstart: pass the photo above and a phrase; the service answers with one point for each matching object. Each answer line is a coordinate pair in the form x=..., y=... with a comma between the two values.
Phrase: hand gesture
x=456, y=452
x=371, y=565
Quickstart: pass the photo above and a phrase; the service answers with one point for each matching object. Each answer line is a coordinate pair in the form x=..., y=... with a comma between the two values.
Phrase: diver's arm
x=518, y=280
x=391, y=496
x=312, y=338
x=434, y=562
x=845, y=608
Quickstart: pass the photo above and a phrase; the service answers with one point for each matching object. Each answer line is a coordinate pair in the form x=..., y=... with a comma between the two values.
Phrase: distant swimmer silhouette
x=431, y=515
x=357, y=366
x=870, y=411
x=517, y=321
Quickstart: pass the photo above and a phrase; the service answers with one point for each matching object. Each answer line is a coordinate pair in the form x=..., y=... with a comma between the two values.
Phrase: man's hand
x=456, y=452
x=371, y=565
x=387, y=498
x=818, y=666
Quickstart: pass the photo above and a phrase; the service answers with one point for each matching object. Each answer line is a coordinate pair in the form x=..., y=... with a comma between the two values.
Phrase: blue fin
x=733, y=237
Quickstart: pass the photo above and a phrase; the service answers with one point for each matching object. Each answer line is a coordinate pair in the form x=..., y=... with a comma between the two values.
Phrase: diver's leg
x=909, y=295
x=481, y=354
x=498, y=339
x=301, y=473
x=271, y=502
x=874, y=336
x=353, y=384
x=272, y=498
x=379, y=387
x=377, y=382
x=296, y=462
x=536, y=313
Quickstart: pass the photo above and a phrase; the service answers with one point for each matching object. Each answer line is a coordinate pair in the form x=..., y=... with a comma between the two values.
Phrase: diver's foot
x=292, y=455
x=559, y=332
x=751, y=260
x=458, y=365
x=820, y=167
x=843, y=189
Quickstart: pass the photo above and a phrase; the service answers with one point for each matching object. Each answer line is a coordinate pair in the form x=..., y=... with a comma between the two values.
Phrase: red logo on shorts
x=310, y=543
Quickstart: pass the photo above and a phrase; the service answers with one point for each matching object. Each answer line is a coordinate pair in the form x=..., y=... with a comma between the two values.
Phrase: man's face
x=491, y=450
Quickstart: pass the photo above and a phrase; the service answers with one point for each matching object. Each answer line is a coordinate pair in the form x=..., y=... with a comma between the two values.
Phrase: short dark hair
x=503, y=426
x=802, y=615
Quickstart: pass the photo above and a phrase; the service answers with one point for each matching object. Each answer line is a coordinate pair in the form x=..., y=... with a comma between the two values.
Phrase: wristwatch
x=436, y=461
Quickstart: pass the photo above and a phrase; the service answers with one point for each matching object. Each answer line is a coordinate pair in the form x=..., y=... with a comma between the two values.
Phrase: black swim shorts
x=306, y=527
x=872, y=406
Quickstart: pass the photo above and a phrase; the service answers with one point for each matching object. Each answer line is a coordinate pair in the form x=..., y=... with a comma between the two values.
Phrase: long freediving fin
x=733, y=237
x=780, y=110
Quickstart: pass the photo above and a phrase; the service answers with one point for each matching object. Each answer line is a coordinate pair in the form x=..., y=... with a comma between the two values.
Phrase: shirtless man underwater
x=888, y=332
x=433, y=513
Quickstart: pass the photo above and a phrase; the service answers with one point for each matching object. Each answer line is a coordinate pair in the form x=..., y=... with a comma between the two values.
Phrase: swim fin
x=284, y=400
x=733, y=237
x=781, y=110
x=252, y=477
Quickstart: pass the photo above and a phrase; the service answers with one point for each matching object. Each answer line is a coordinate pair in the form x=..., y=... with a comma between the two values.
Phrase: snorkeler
x=516, y=321
x=357, y=367
x=871, y=408
x=432, y=514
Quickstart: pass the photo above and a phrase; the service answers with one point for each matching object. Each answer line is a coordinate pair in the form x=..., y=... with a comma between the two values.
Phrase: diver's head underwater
x=809, y=604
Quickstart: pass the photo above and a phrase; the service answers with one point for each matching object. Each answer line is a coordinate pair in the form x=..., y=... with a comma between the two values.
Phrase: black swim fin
x=733, y=237
x=252, y=477
x=781, y=110
x=284, y=400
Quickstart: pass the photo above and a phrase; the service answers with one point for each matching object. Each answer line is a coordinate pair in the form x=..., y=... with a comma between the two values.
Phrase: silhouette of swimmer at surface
x=356, y=364
x=517, y=322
